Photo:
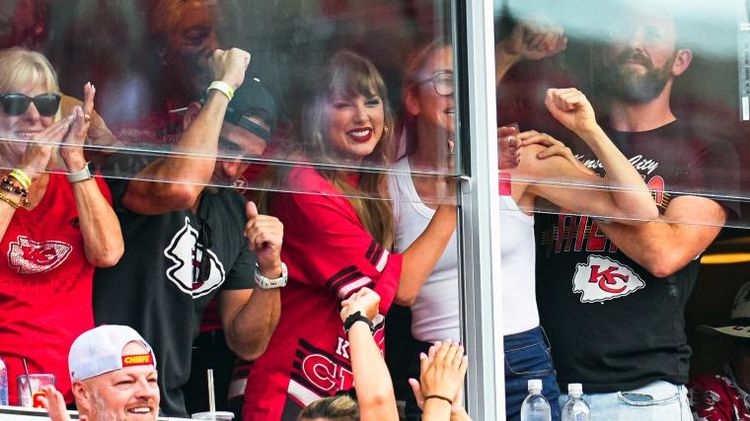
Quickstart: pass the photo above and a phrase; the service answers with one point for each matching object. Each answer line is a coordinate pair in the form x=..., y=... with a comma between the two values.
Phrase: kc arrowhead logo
x=182, y=273
x=601, y=279
x=29, y=257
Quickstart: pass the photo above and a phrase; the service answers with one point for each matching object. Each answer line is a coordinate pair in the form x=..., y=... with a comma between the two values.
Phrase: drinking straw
x=28, y=380
x=211, y=396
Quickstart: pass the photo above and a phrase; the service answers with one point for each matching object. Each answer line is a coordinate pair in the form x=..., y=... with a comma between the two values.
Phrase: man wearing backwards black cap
x=184, y=242
x=113, y=373
x=726, y=396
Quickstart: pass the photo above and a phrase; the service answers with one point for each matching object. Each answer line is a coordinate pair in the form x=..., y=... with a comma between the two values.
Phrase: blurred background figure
x=181, y=38
x=23, y=23
x=184, y=33
x=725, y=396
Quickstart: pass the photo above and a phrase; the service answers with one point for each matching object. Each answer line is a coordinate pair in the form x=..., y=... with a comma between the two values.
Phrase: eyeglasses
x=442, y=81
x=16, y=104
x=204, y=243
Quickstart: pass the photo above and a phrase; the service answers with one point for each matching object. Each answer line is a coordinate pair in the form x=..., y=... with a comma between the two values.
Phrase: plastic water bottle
x=535, y=407
x=3, y=383
x=576, y=409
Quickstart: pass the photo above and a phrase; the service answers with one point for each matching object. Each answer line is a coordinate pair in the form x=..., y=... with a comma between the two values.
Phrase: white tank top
x=435, y=312
x=518, y=255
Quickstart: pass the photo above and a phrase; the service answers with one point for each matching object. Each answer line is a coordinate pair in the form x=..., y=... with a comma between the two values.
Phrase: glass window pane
x=665, y=82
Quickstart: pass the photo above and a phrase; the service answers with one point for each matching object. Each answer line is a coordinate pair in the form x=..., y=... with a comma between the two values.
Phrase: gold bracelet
x=9, y=201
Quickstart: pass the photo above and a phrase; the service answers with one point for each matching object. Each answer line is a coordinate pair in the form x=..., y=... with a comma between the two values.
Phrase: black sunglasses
x=16, y=104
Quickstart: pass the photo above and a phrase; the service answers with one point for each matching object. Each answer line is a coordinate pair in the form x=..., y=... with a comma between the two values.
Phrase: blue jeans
x=527, y=356
x=657, y=401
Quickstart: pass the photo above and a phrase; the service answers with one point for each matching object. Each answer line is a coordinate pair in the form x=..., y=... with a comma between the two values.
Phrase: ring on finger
x=86, y=118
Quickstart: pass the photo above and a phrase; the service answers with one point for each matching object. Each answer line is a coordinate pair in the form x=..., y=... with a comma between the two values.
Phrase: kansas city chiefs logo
x=601, y=279
x=29, y=257
x=183, y=273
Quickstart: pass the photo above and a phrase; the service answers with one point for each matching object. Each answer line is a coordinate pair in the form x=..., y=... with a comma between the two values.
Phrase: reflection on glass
x=337, y=245
x=640, y=61
x=612, y=291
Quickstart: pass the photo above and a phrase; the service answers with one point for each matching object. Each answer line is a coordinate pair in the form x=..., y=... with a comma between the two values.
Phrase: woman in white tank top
x=429, y=134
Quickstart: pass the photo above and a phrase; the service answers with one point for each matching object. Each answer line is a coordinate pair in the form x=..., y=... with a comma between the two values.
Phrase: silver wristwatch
x=268, y=283
x=80, y=175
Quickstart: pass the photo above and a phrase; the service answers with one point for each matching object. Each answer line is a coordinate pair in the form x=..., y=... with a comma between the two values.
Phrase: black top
x=158, y=288
x=614, y=326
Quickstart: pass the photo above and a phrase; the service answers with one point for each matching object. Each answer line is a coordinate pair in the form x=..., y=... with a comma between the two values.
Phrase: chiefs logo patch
x=184, y=270
x=601, y=279
x=29, y=257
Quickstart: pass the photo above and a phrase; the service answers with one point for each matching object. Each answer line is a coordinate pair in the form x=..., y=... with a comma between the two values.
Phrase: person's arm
x=667, y=244
x=100, y=228
x=249, y=317
x=439, y=391
x=372, y=381
x=191, y=165
x=621, y=194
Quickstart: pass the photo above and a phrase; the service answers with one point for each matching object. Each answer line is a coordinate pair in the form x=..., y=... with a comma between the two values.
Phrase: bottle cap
x=575, y=388
x=535, y=385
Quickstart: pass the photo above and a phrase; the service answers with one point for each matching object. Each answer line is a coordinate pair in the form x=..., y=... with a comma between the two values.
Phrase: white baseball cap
x=99, y=350
x=739, y=323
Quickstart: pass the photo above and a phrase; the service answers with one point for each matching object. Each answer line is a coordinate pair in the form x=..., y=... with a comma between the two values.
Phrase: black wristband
x=450, y=402
x=356, y=317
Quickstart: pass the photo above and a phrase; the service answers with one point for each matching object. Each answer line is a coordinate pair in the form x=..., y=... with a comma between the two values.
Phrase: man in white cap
x=113, y=374
x=726, y=396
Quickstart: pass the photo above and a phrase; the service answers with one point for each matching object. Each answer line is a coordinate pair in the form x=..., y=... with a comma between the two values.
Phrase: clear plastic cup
x=36, y=382
x=215, y=416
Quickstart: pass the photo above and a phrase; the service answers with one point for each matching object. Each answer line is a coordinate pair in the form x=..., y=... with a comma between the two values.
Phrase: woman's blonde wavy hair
x=333, y=408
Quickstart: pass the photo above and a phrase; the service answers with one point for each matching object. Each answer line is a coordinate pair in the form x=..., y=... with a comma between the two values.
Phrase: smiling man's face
x=129, y=394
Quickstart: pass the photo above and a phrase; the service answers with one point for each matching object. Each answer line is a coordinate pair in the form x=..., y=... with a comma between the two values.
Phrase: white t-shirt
x=435, y=311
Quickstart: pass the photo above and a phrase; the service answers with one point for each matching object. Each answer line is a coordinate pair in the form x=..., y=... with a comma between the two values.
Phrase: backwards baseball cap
x=739, y=323
x=99, y=350
x=253, y=99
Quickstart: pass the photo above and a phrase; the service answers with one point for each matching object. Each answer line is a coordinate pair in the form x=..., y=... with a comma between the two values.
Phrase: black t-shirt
x=154, y=288
x=614, y=326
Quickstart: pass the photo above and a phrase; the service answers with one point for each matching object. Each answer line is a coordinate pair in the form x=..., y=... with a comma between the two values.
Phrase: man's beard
x=620, y=81
x=100, y=411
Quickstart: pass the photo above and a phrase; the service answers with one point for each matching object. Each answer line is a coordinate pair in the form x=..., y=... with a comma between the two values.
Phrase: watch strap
x=80, y=175
x=269, y=283
x=357, y=316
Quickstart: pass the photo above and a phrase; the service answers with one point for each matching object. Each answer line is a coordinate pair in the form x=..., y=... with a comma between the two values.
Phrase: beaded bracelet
x=8, y=185
x=11, y=189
